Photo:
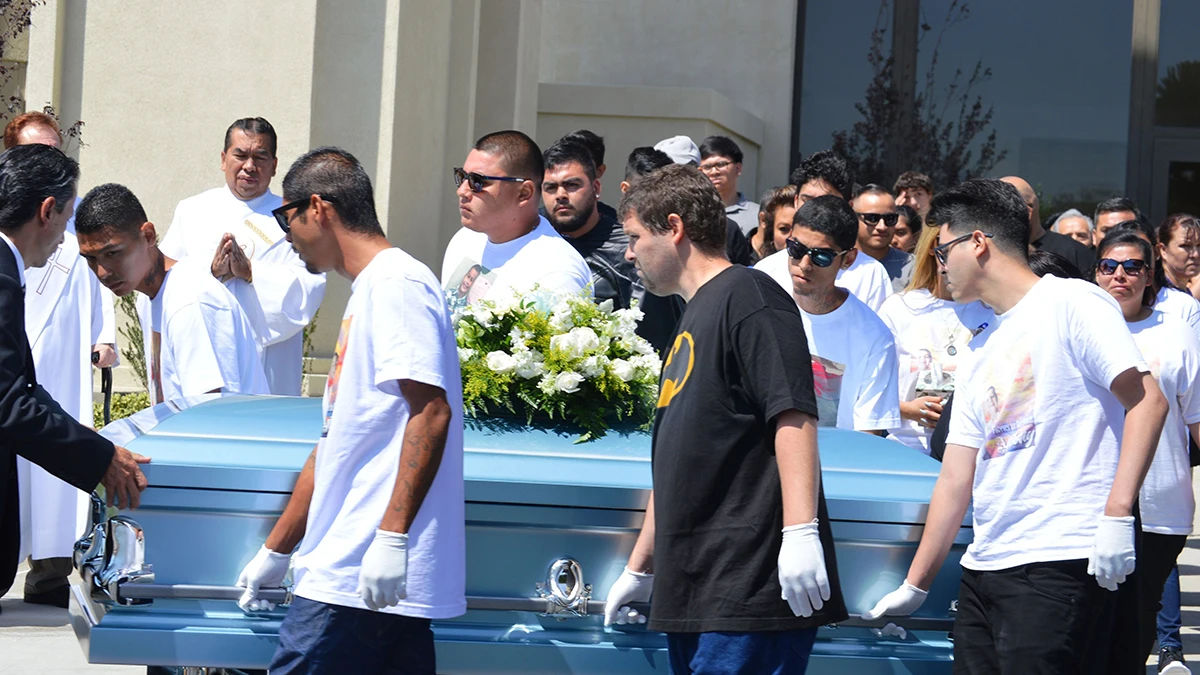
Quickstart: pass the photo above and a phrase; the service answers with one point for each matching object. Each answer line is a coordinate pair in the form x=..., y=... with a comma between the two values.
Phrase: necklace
x=951, y=330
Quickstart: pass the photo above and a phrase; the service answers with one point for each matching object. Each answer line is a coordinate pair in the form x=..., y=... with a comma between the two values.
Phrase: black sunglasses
x=1108, y=267
x=872, y=219
x=478, y=181
x=281, y=213
x=940, y=252
x=821, y=257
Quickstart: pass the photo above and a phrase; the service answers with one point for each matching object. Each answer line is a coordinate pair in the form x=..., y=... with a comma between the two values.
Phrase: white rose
x=529, y=364
x=564, y=343
x=623, y=369
x=465, y=354
x=500, y=363
x=586, y=340
x=568, y=382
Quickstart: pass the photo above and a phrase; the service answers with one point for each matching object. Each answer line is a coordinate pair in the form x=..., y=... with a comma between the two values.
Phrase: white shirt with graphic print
x=1172, y=351
x=1034, y=399
x=854, y=368
x=396, y=327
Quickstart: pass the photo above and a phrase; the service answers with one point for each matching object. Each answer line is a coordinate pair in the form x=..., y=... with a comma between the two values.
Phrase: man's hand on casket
x=266, y=570
x=802, y=574
x=629, y=587
x=123, y=481
x=900, y=602
x=383, y=579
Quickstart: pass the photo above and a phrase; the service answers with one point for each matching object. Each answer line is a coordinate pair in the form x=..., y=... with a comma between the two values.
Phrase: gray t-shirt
x=743, y=212
x=899, y=267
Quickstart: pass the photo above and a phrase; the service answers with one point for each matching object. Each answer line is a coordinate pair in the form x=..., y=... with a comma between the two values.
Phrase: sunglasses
x=821, y=257
x=872, y=219
x=1108, y=267
x=940, y=251
x=281, y=213
x=477, y=181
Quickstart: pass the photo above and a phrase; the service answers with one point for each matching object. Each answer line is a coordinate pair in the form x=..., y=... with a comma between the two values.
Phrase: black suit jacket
x=32, y=424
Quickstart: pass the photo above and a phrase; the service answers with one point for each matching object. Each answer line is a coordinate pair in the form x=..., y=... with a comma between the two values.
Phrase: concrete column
x=509, y=52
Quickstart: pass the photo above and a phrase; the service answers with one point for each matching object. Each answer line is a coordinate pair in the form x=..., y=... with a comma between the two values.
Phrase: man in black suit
x=37, y=197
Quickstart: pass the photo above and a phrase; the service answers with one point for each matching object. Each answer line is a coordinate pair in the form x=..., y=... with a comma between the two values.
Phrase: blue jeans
x=1169, y=617
x=763, y=653
x=319, y=638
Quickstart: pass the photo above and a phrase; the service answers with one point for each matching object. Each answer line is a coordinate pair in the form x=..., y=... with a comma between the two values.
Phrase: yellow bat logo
x=677, y=369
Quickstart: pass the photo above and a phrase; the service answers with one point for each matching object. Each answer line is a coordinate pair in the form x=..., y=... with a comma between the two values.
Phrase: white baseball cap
x=681, y=150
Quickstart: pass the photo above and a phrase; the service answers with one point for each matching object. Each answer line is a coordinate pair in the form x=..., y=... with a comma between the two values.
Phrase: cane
x=105, y=388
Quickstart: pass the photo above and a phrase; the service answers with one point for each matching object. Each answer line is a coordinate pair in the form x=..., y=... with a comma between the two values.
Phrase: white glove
x=801, y=567
x=1113, y=557
x=900, y=602
x=383, y=579
x=629, y=587
x=266, y=570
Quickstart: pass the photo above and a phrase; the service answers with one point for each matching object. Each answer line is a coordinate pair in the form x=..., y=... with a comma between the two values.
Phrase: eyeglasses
x=821, y=257
x=1108, y=267
x=715, y=166
x=478, y=181
x=940, y=252
x=281, y=213
x=872, y=219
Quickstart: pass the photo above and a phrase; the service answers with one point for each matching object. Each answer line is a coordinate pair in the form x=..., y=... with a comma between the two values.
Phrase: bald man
x=1042, y=239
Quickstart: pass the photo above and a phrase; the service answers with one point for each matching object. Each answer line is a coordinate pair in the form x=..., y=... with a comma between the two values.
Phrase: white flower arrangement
x=568, y=359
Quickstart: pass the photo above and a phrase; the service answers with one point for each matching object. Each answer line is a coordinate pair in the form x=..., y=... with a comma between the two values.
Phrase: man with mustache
x=232, y=226
x=198, y=339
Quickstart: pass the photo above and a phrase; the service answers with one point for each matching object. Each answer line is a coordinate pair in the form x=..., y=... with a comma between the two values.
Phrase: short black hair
x=337, y=175
x=869, y=189
x=254, y=126
x=565, y=152
x=828, y=166
x=680, y=189
x=109, y=207
x=519, y=155
x=720, y=145
x=1115, y=204
x=589, y=140
x=1046, y=263
x=989, y=205
x=831, y=216
x=643, y=160
x=28, y=175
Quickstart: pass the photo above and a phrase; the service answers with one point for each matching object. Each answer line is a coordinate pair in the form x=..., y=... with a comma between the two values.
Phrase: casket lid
x=259, y=444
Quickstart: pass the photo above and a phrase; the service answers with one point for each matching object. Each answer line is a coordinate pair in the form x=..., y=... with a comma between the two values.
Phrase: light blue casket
x=547, y=522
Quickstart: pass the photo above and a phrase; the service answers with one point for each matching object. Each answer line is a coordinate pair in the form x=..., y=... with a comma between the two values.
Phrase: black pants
x=10, y=532
x=1043, y=618
x=1156, y=559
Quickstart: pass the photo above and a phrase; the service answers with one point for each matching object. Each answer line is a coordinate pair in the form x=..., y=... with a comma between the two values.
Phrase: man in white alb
x=197, y=338
x=68, y=316
x=232, y=226
x=505, y=246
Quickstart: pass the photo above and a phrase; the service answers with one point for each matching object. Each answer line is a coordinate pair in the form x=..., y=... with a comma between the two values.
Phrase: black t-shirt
x=738, y=360
x=1082, y=256
x=737, y=247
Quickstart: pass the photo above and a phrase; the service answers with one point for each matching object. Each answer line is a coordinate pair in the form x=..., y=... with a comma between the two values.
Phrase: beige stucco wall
x=744, y=50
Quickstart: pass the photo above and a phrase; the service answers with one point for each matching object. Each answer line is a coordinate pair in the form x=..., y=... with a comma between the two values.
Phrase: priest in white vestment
x=64, y=317
x=232, y=225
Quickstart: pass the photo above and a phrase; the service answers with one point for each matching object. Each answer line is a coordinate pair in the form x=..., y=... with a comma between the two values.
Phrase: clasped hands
x=230, y=261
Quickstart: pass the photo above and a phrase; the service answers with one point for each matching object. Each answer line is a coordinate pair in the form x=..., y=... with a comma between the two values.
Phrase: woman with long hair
x=1125, y=270
x=775, y=211
x=932, y=332
x=1179, y=252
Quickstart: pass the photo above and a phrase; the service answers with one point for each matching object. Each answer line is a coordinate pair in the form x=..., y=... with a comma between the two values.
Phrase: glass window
x=1183, y=187
x=1059, y=87
x=1177, y=91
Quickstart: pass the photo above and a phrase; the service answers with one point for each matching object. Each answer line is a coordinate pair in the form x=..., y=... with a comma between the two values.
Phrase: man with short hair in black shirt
x=736, y=531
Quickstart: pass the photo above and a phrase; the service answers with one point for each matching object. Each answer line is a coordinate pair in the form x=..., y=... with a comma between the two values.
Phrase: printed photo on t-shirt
x=1008, y=406
x=469, y=284
x=335, y=373
x=827, y=385
x=933, y=376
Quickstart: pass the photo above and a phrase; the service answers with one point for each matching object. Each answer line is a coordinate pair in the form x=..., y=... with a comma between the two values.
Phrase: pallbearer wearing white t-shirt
x=853, y=353
x=1056, y=418
x=505, y=246
x=198, y=339
x=231, y=228
x=379, y=504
